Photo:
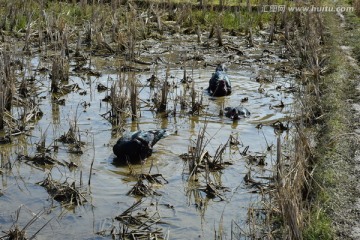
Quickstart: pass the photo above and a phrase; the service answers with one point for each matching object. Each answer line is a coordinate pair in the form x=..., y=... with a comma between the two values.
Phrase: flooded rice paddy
x=262, y=81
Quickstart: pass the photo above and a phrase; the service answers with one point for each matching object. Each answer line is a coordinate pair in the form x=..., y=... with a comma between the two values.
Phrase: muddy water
x=186, y=213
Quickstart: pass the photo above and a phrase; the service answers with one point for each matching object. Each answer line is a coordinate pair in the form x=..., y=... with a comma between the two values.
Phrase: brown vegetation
x=115, y=29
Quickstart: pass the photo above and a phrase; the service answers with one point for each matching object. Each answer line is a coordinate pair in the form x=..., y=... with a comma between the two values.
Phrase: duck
x=219, y=83
x=135, y=147
x=236, y=113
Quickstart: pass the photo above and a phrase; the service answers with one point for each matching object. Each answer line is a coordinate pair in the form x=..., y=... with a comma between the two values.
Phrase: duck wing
x=131, y=151
x=151, y=137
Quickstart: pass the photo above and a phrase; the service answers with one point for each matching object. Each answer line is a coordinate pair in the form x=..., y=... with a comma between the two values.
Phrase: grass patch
x=318, y=192
x=320, y=227
x=229, y=20
x=353, y=33
x=333, y=189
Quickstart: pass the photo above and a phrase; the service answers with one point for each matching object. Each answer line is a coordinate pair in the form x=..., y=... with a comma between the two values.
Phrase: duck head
x=221, y=68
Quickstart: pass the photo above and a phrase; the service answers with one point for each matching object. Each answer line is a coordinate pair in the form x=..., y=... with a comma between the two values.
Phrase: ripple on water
x=185, y=210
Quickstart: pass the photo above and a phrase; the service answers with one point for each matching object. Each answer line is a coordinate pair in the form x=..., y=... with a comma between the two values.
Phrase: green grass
x=225, y=2
x=352, y=38
x=320, y=227
x=227, y=19
x=70, y=14
x=332, y=188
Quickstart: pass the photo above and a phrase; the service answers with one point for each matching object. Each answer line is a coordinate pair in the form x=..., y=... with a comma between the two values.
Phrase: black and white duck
x=237, y=113
x=219, y=84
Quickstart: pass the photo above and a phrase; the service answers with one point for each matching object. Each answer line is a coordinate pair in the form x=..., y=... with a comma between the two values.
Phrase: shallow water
x=185, y=212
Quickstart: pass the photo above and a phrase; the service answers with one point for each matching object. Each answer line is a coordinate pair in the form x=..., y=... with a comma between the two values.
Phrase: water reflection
x=55, y=112
x=110, y=182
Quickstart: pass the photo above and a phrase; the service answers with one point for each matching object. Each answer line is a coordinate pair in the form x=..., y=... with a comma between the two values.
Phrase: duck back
x=137, y=146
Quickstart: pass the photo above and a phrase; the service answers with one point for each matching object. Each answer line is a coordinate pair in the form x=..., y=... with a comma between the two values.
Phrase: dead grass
x=42, y=160
x=119, y=101
x=356, y=4
x=137, y=223
x=7, y=81
x=145, y=185
x=310, y=185
x=66, y=193
x=73, y=138
x=203, y=169
x=59, y=73
x=17, y=232
x=163, y=93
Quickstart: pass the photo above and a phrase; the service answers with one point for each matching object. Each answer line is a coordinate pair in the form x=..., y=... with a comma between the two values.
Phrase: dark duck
x=219, y=84
x=236, y=113
x=135, y=147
